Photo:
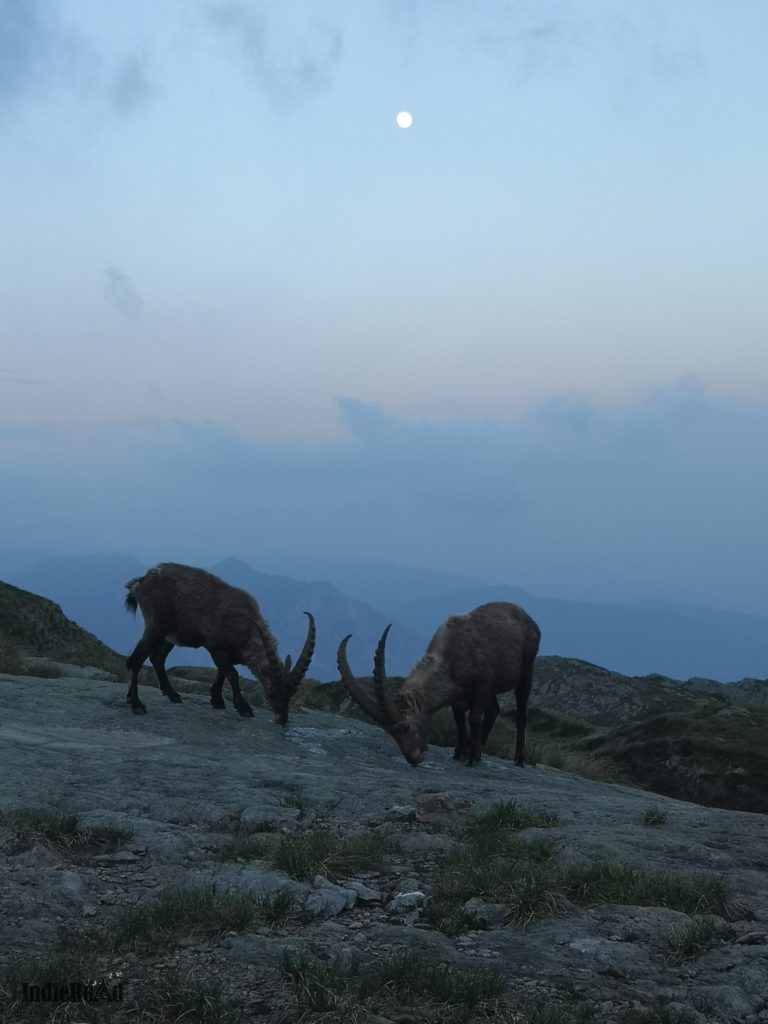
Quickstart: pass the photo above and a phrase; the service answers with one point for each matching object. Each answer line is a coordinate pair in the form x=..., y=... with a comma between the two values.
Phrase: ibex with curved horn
x=470, y=659
x=190, y=607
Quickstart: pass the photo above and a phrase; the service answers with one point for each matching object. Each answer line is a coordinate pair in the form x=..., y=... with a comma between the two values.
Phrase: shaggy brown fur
x=190, y=607
x=470, y=659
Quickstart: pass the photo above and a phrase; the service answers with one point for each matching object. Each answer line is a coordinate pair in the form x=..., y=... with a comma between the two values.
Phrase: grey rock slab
x=172, y=773
x=328, y=899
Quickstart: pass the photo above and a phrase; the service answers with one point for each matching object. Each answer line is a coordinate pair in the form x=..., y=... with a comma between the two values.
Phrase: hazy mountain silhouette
x=648, y=637
x=91, y=591
x=678, y=641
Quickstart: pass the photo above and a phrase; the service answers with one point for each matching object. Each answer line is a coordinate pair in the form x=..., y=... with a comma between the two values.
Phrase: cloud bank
x=661, y=498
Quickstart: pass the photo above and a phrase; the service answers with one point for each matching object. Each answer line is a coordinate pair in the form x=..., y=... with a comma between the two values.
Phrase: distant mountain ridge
x=634, y=640
x=91, y=591
x=677, y=641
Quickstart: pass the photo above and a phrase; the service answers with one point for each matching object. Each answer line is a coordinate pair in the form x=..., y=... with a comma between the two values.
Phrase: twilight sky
x=525, y=339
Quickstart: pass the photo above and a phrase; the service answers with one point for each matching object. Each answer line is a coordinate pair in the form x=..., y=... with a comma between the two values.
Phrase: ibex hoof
x=174, y=698
x=244, y=709
x=138, y=709
x=218, y=703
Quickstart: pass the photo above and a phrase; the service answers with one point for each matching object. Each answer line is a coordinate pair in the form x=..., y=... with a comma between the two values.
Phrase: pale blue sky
x=208, y=214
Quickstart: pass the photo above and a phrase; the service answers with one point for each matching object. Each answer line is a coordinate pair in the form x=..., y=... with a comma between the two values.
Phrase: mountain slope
x=41, y=629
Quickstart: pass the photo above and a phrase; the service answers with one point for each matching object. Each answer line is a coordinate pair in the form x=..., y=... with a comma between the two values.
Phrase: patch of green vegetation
x=494, y=863
x=712, y=756
x=75, y=964
x=246, y=841
x=182, y=998
x=321, y=696
x=603, y=882
x=188, y=910
x=564, y=758
x=63, y=832
x=693, y=938
x=275, y=906
x=547, y=722
x=524, y=876
x=306, y=854
x=10, y=657
x=653, y=817
x=172, y=999
x=491, y=830
x=39, y=628
x=341, y=987
x=554, y=745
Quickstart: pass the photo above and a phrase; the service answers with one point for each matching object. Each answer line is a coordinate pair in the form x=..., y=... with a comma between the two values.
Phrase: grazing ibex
x=193, y=608
x=470, y=659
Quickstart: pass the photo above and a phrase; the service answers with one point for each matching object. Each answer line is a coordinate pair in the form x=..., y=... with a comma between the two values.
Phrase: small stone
x=485, y=915
x=406, y=885
x=121, y=857
x=401, y=812
x=328, y=900
x=364, y=893
x=406, y=901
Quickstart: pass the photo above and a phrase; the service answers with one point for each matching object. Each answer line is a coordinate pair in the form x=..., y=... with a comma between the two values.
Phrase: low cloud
x=132, y=87
x=534, y=37
x=122, y=295
x=287, y=63
x=664, y=496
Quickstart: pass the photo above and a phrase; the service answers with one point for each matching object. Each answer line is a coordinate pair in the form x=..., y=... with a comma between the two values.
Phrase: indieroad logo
x=73, y=992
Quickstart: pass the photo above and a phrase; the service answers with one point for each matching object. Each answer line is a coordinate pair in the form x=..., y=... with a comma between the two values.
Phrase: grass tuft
x=193, y=909
x=602, y=882
x=75, y=964
x=62, y=832
x=691, y=939
x=275, y=906
x=491, y=830
x=653, y=817
x=342, y=986
x=319, y=852
x=181, y=998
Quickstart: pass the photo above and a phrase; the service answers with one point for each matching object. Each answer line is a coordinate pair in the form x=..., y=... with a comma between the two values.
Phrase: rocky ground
x=185, y=780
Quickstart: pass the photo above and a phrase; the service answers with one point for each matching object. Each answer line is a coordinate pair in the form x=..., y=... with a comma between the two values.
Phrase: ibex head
x=402, y=715
x=283, y=679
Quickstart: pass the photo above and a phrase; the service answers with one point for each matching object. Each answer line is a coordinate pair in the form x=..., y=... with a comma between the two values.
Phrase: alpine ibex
x=470, y=659
x=190, y=607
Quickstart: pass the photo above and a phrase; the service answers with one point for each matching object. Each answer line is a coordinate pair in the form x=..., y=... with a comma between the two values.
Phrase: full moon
x=404, y=119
